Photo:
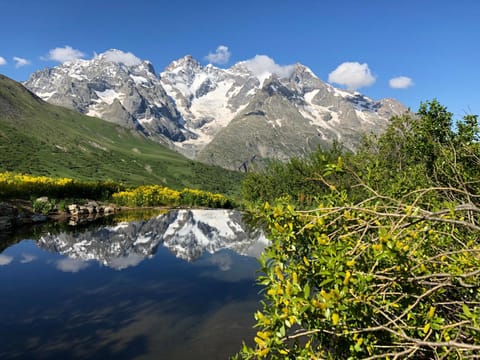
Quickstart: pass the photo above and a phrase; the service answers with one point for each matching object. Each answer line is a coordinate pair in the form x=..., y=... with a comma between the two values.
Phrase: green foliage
x=422, y=151
x=383, y=261
x=301, y=180
x=432, y=131
x=376, y=279
x=43, y=207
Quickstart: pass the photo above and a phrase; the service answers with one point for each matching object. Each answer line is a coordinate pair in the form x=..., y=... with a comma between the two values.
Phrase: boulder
x=43, y=199
x=8, y=215
x=91, y=209
x=108, y=210
x=73, y=209
x=37, y=218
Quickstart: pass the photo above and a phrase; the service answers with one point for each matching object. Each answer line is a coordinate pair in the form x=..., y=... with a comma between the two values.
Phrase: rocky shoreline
x=16, y=213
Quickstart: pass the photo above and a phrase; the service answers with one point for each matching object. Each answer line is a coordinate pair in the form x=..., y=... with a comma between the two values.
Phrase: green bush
x=43, y=206
x=377, y=279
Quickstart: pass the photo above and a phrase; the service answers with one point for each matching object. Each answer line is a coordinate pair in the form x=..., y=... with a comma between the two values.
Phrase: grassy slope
x=43, y=139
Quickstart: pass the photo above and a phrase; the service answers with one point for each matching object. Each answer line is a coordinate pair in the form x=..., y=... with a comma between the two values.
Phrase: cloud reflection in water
x=5, y=260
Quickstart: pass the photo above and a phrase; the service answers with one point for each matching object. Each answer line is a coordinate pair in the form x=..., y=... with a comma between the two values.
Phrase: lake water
x=180, y=285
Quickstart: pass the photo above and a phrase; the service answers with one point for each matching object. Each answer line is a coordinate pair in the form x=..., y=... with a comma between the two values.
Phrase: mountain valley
x=43, y=139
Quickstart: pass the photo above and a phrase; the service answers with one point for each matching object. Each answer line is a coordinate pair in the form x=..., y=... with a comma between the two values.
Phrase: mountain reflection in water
x=186, y=233
x=186, y=290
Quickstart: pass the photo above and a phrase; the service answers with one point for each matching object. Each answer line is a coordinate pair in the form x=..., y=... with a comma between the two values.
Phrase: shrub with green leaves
x=43, y=206
x=376, y=279
x=387, y=264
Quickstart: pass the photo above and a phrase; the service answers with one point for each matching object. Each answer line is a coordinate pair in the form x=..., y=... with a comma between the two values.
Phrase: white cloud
x=220, y=56
x=71, y=265
x=2, y=60
x=121, y=263
x=119, y=56
x=19, y=62
x=5, y=260
x=222, y=260
x=67, y=53
x=400, y=82
x=26, y=258
x=353, y=75
x=262, y=66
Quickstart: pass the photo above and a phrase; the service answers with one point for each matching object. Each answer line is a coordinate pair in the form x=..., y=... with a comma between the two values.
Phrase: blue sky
x=433, y=45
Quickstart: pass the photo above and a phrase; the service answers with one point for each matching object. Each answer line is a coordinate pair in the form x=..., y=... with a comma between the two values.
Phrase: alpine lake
x=178, y=284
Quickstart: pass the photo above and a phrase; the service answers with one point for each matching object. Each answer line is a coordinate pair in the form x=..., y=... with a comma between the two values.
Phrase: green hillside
x=43, y=139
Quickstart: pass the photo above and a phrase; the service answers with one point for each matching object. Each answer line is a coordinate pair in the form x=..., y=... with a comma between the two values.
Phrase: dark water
x=178, y=286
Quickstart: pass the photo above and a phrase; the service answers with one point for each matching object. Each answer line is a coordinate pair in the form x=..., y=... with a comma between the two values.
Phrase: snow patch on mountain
x=46, y=95
x=310, y=95
x=108, y=96
x=139, y=79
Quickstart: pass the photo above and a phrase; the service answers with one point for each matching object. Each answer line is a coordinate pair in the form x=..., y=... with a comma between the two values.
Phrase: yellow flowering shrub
x=147, y=195
x=13, y=185
x=157, y=195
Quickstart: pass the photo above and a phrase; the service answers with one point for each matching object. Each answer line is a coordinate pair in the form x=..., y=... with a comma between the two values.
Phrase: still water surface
x=177, y=286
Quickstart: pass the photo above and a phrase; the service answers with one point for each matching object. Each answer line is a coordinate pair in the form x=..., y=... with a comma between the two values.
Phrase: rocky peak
x=304, y=80
x=274, y=86
x=146, y=66
x=186, y=63
x=116, y=86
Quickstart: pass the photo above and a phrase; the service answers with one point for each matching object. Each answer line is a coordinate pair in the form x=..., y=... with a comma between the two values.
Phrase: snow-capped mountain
x=227, y=117
x=186, y=233
x=294, y=114
x=114, y=87
x=207, y=97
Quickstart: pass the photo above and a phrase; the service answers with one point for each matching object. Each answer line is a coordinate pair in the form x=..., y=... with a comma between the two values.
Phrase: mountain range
x=231, y=117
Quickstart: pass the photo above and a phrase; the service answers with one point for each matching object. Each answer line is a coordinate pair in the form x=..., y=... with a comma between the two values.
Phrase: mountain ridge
x=187, y=105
